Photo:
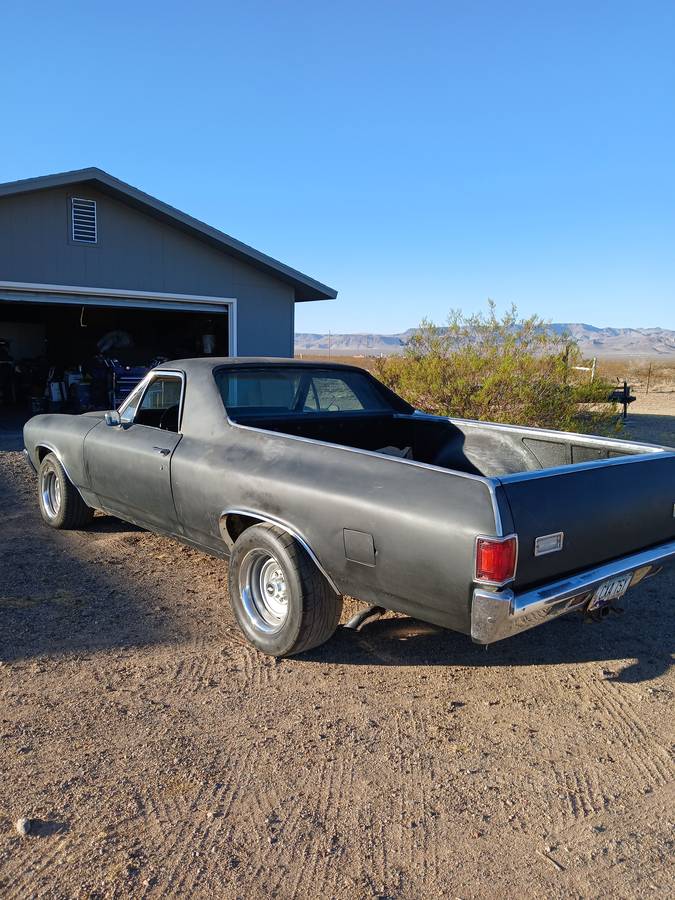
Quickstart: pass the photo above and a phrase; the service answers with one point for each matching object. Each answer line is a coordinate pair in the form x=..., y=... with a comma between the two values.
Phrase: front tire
x=60, y=503
x=281, y=601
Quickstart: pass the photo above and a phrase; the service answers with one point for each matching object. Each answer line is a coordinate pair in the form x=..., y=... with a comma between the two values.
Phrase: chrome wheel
x=263, y=590
x=51, y=493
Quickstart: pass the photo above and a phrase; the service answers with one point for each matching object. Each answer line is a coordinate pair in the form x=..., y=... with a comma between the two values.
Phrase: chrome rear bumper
x=500, y=614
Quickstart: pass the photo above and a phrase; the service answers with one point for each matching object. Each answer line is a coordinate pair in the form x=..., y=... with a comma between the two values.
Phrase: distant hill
x=593, y=341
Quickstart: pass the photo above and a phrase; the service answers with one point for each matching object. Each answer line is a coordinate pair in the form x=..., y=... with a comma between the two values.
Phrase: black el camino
x=316, y=481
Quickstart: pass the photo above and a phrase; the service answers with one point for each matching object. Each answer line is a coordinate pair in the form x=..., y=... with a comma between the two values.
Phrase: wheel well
x=42, y=452
x=235, y=524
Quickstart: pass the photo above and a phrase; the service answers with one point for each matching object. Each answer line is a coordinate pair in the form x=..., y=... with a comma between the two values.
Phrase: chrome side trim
x=499, y=614
x=591, y=439
x=264, y=517
x=499, y=525
x=634, y=450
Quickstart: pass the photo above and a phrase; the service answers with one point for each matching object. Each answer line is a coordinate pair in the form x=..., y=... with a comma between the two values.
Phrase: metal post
x=625, y=400
x=649, y=377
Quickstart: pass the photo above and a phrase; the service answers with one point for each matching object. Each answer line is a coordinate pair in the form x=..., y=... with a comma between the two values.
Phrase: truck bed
x=608, y=497
x=477, y=448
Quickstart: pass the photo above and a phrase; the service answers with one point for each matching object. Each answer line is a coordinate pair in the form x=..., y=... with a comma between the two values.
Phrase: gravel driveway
x=157, y=754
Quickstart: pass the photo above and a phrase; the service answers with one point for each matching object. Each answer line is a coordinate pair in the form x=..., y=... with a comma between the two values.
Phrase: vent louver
x=84, y=220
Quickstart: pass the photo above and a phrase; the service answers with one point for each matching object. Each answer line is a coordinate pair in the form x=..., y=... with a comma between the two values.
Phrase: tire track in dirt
x=314, y=858
x=258, y=671
x=312, y=870
x=22, y=874
x=644, y=864
x=335, y=834
x=578, y=778
x=184, y=827
x=416, y=827
x=403, y=805
x=400, y=830
x=373, y=856
x=189, y=822
x=426, y=828
x=581, y=788
x=294, y=814
x=193, y=671
x=31, y=872
x=656, y=768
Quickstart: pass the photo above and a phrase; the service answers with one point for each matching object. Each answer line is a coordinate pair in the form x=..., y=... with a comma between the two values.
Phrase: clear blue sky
x=416, y=156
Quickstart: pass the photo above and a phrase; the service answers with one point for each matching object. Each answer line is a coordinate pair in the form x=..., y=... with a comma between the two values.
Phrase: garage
x=75, y=352
x=99, y=282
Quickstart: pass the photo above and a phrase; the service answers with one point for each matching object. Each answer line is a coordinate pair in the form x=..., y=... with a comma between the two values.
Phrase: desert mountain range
x=593, y=341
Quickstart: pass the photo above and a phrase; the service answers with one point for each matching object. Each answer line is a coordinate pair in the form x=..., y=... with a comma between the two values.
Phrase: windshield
x=297, y=389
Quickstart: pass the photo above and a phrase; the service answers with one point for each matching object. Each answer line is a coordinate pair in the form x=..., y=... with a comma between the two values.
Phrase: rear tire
x=60, y=503
x=282, y=602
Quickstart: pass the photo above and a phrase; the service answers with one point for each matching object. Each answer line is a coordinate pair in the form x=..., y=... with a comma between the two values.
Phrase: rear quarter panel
x=423, y=521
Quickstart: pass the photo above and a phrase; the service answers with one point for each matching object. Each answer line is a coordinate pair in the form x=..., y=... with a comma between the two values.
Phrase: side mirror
x=113, y=418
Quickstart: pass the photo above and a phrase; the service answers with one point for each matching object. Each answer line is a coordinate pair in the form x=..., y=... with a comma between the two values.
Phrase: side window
x=331, y=395
x=298, y=389
x=160, y=406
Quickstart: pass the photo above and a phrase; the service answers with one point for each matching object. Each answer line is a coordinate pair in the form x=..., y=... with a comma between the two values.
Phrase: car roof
x=215, y=362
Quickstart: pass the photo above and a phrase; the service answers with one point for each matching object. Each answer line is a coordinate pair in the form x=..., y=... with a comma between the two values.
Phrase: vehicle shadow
x=68, y=593
x=105, y=524
x=640, y=635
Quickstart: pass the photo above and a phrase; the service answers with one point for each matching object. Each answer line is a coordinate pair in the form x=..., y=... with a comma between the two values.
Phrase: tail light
x=496, y=559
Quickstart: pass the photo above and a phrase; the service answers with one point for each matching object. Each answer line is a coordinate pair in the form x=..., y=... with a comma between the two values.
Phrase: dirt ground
x=158, y=755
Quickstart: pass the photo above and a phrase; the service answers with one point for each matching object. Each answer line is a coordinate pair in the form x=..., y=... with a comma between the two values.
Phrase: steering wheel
x=169, y=418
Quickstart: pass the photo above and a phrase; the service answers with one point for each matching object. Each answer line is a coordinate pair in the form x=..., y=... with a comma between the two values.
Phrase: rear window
x=279, y=390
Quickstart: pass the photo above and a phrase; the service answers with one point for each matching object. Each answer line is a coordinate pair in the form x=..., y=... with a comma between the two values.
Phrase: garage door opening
x=71, y=357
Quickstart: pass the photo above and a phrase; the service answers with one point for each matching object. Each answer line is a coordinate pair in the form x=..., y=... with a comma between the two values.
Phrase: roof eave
x=306, y=288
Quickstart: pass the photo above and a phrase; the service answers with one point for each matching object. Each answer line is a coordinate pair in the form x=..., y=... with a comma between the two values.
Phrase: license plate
x=609, y=590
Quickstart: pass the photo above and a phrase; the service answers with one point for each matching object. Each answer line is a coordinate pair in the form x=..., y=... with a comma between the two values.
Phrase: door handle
x=162, y=451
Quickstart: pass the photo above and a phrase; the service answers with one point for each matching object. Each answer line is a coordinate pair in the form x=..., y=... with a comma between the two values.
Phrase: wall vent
x=83, y=220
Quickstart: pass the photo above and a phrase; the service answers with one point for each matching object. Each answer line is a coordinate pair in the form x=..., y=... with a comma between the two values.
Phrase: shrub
x=499, y=369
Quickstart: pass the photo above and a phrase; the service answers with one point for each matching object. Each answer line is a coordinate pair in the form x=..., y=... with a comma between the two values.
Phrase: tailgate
x=605, y=509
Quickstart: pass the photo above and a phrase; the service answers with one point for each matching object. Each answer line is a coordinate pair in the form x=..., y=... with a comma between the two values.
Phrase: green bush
x=499, y=369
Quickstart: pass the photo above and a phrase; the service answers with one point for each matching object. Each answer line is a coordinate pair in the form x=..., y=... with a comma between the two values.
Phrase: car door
x=129, y=463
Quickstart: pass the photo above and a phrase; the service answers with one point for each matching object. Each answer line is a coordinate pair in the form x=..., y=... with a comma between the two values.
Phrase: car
x=316, y=481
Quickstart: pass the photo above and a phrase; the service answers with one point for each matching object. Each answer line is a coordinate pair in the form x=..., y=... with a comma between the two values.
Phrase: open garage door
x=75, y=349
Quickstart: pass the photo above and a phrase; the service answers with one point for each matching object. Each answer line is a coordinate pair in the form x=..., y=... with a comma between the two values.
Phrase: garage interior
x=77, y=356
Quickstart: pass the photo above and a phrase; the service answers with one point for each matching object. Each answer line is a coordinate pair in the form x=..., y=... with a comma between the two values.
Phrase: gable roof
x=306, y=288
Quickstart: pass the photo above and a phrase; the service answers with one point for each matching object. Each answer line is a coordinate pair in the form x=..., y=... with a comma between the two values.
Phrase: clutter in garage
x=67, y=358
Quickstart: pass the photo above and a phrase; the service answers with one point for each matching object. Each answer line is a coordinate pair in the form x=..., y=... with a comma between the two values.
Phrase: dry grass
x=658, y=374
